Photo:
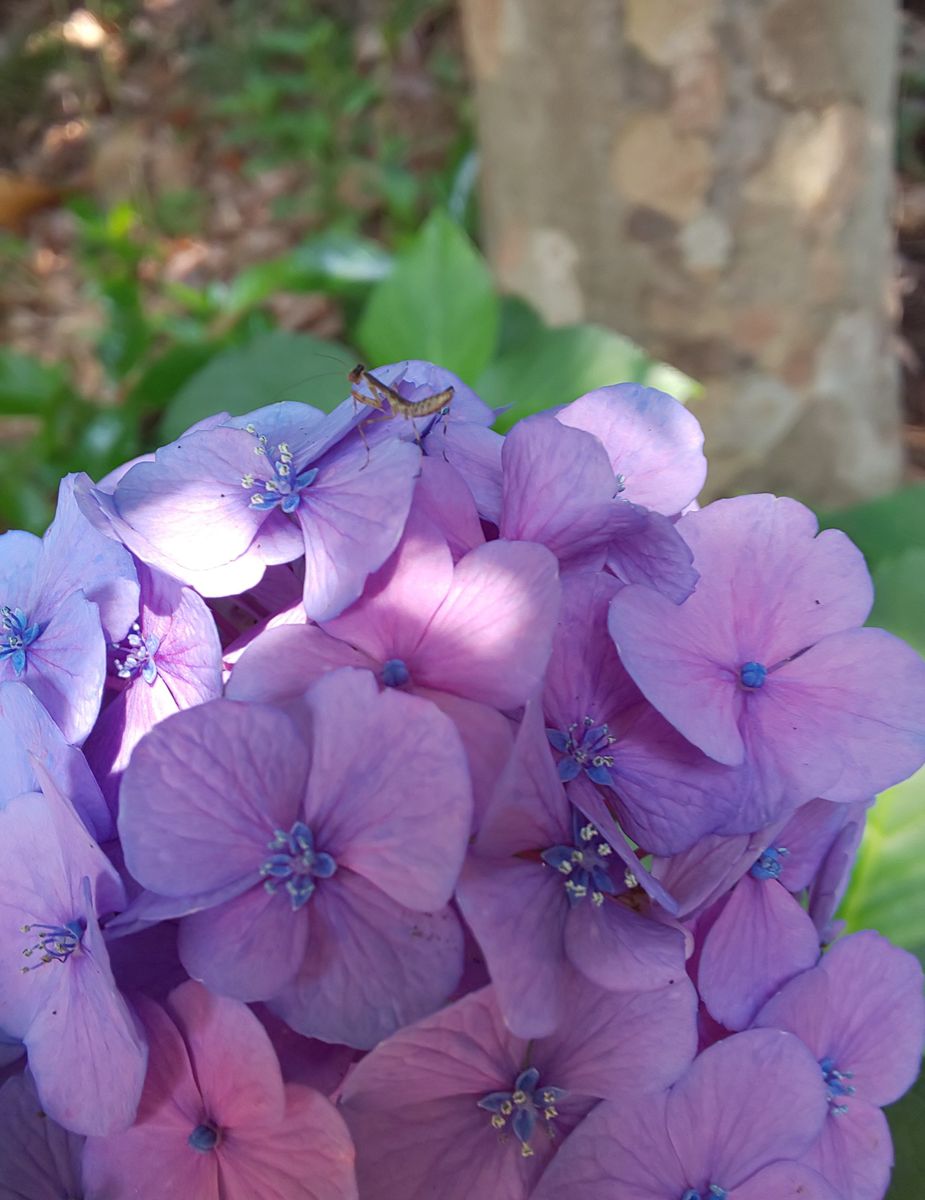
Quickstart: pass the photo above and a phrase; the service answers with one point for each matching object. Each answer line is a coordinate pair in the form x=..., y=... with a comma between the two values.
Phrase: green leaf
x=886, y=527
x=161, y=381
x=438, y=304
x=907, y=1121
x=886, y=887
x=27, y=385
x=334, y=263
x=900, y=597
x=555, y=366
x=275, y=366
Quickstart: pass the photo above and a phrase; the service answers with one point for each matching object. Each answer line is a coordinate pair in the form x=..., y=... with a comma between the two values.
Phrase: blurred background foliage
x=215, y=206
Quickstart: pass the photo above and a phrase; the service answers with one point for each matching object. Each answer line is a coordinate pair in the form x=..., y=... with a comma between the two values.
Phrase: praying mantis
x=386, y=399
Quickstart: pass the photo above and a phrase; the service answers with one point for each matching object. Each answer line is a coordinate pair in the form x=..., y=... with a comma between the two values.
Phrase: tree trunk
x=713, y=179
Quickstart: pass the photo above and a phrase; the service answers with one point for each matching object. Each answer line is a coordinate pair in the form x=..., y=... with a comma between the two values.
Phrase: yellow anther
x=497, y=1122
x=507, y=1107
x=603, y=850
x=526, y=1150
x=550, y=1112
x=519, y=1097
x=597, y=899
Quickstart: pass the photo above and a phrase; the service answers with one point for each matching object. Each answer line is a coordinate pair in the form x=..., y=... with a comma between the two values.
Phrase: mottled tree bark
x=713, y=179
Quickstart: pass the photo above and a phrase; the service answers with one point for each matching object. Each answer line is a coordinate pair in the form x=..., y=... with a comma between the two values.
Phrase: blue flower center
x=395, y=673
x=276, y=486
x=295, y=865
x=769, y=865
x=55, y=943
x=752, y=675
x=204, y=1138
x=527, y=1105
x=712, y=1192
x=837, y=1086
x=16, y=636
x=586, y=748
x=138, y=656
x=585, y=865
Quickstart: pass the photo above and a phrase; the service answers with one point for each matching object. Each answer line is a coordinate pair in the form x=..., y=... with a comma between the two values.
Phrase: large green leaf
x=439, y=304
x=886, y=888
x=275, y=366
x=886, y=527
x=554, y=366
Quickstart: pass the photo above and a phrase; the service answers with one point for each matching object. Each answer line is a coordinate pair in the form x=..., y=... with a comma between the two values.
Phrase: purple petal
x=189, y=503
x=654, y=554
x=248, y=947
x=675, y=655
x=28, y=733
x=491, y=637
x=66, y=666
x=862, y=1007
x=620, y=949
x=620, y=1151
x=652, y=441
x=77, y=557
x=356, y=490
x=787, y=1181
x=371, y=967
x=761, y=939
x=443, y=496
x=205, y=791
x=745, y=1103
x=475, y=452
x=86, y=1051
x=854, y=1153
x=367, y=809
x=617, y=1045
x=517, y=911
x=558, y=490
x=38, y=1159
x=862, y=694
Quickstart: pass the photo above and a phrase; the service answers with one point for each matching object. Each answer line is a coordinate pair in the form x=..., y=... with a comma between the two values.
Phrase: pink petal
x=490, y=639
x=443, y=496
x=854, y=1153
x=785, y=1181
x=399, y=601
x=306, y=1155
x=623, y=950
x=279, y=664
x=233, y=1058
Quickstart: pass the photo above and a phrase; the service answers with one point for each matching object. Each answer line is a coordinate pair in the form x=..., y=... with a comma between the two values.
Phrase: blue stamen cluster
x=395, y=673
x=278, y=488
x=295, y=860
x=752, y=675
x=204, y=1138
x=585, y=864
x=16, y=636
x=713, y=1192
x=523, y=1107
x=56, y=943
x=769, y=865
x=586, y=747
x=139, y=652
x=837, y=1087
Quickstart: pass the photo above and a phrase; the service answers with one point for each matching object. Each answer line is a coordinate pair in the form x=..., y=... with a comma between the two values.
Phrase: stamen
x=56, y=943
x=16, y=636
x=752, y=675
x=204, y=1138
x=395, y=673
x=524, y=1105
x=295, y=860
x=278, y=489
x=769, y=865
